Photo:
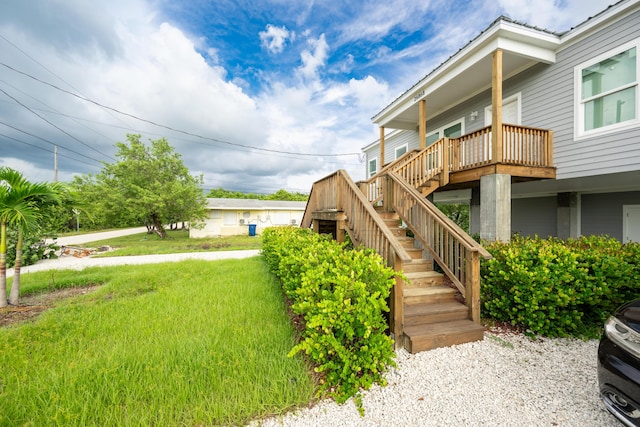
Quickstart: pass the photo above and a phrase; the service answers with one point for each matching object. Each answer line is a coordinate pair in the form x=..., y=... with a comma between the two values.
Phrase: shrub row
x=342, y=296
x=559, y=288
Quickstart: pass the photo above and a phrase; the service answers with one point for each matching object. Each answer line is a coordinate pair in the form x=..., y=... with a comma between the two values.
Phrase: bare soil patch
x=32, y=306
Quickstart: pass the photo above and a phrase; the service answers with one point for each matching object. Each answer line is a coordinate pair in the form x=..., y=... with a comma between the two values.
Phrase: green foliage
x=148, y=185
x=33, y=248
x=458, y=213
x=221, y=193
x=342, y=296
x=559, y=288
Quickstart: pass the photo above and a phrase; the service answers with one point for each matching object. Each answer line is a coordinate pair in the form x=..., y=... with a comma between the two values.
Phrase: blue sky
x=255, y=95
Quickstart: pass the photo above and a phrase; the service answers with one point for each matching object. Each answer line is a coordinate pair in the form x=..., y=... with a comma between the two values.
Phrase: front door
x=631, y=223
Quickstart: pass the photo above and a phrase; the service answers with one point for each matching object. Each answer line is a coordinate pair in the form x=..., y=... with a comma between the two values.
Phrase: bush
x=559, y=288
x=33, y=249
x=342, y=296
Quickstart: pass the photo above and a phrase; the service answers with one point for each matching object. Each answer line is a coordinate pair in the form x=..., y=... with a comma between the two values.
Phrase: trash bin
x=252, y=229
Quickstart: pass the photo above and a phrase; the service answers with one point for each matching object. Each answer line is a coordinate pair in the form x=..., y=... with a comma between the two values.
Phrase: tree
x=20, y=201
x=458, y=213
x=150, y=185
x=278, y=195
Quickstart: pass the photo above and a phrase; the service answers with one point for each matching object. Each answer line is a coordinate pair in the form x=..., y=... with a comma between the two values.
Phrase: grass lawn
x=176, y=241
x=188, y=343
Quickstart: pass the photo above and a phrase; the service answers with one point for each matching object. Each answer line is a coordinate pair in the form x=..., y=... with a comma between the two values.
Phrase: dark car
x=619, y=364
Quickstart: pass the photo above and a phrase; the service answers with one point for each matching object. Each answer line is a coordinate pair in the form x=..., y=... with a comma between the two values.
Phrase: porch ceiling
x=468, y=72
x=457, y=89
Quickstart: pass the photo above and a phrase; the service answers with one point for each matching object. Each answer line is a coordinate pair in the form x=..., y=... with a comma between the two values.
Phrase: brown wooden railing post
x=444, y=175
x=473, y=285
x=388, y=194
x=397, y=307
x=549, y=148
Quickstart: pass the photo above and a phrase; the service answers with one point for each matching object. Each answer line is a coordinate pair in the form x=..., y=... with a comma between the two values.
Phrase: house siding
x=548, y=101
x=602, y=213
x=534, y=216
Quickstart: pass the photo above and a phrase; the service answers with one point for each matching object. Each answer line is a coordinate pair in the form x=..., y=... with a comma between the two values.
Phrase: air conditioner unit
x=241, y=221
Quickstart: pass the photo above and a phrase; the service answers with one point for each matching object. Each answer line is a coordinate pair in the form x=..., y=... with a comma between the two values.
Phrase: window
x=510, y=111
x=215, y=214
x=452, y=130
x=607, y=89
x=230, y=218
x=401, y=150
x=373, y=167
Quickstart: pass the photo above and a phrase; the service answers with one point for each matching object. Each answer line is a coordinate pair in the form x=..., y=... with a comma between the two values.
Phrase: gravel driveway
x=505, y=380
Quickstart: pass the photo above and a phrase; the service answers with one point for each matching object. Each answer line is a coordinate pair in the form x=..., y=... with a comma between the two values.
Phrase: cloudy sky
x=257, y=95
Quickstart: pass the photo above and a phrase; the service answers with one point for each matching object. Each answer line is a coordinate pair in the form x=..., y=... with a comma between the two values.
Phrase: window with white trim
x=607, y=91
x=401, y=150
x=452, y=130
x=230, y=218
x=373, y=167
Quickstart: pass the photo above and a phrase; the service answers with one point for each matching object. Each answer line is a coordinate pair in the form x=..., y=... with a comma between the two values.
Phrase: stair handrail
x=372, y=187
x=426, y=164
x=457, y=253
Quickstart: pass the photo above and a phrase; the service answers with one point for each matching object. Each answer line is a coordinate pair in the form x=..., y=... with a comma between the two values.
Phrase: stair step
x=430, y=295
x=445, y=334
x=399, y=232
x=424, y=279
x=434, y=313
x=406, y=242
x=417, y=265
x=414, y=253
x=392, y=222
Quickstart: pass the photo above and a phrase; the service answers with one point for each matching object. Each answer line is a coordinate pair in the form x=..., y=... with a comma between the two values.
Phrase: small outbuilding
x=229, y=217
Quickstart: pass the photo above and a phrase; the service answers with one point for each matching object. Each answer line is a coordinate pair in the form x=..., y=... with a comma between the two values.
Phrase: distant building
x=229, y=217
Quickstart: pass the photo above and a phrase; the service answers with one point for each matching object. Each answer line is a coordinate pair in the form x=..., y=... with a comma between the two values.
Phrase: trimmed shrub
x=342, y=296
x=559, y=288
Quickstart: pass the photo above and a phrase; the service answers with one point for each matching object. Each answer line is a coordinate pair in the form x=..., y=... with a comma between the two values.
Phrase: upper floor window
x=373, y=167
x=401, y=150
x=607, y=90
x=452, y=130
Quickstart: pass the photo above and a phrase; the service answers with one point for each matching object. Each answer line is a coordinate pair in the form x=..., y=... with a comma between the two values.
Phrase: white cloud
x=274, y=38
x=312, y=60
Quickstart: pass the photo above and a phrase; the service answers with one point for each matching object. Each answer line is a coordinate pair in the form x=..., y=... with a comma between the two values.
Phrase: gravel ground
x=504, y=380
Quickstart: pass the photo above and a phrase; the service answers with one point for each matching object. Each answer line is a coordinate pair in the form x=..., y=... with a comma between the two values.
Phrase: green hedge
x=342, y=296
x=559, y=288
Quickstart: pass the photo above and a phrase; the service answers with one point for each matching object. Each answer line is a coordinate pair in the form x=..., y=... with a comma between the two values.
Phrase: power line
x=50, y=71
x=56, y=126
x=44, y=149
x=172, y=128
x=47, y=141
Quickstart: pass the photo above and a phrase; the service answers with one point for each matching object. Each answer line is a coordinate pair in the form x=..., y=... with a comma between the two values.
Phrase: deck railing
x=453, y=249
x=521, y=146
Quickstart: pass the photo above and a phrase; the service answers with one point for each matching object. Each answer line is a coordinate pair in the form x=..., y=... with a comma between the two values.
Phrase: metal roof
x=254, y=204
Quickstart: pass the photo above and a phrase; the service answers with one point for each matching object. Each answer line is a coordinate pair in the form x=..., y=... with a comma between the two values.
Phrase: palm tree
x=19, y=203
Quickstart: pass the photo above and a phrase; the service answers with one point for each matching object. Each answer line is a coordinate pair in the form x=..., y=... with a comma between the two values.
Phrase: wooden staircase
x=434, y=314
